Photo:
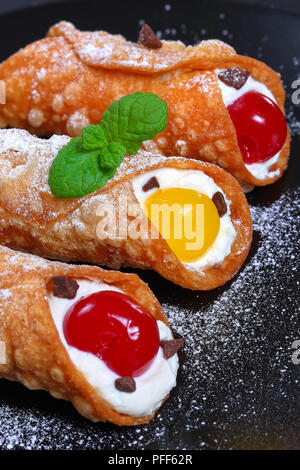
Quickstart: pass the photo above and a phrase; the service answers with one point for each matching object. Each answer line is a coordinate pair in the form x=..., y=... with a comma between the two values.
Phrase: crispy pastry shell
x=35, y=355
x=32, y=220
x=67, y=80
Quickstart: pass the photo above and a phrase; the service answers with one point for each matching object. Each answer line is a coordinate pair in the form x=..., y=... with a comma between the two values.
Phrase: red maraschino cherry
x=260, y=126
x=115, y=328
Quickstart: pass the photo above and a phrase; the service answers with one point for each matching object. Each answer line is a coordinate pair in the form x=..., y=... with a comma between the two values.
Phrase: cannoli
x=223, y=108
x=114, y=226
x=97, y=338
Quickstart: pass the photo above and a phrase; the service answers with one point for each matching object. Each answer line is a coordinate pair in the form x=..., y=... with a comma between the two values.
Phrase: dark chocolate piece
x=171, y=347
x=148, y=38
x=64, y=287
x=234, y=77
x=151, y=183
x=219, y=201
x=125, y=384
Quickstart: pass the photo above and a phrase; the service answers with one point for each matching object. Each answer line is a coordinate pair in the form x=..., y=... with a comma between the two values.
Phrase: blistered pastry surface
x=112, y=51
x=46, y=85
x=35, y=356
x=67, y=229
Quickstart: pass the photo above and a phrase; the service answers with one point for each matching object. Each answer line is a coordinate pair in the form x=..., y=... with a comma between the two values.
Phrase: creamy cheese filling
x=230, y=94
x=151, y=387
x=200, y=182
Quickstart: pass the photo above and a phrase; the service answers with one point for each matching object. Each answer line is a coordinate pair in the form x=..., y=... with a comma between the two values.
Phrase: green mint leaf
x=112, y=155
x=76, y=172
x=93, y=137
x=86, y=163
x=135, y=118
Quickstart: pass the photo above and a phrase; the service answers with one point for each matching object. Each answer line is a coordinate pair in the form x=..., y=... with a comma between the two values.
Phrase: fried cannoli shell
x=67, y=80
x=35, y=355
x=32, y=220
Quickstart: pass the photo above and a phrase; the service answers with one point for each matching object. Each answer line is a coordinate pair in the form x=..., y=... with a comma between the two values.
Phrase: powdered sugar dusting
x=20, y=140
x=236, y=370
x=5, y=294
x=101, y=49
x=24, y=168
x=228, y=334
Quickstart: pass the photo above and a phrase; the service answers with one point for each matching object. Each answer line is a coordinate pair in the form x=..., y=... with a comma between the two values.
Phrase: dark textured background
x=237, y=385
x=288, y=5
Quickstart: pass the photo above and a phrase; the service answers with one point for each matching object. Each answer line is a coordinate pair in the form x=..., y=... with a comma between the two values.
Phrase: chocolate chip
x=125, y=384
x=64, y=287
x=151, y=183
x=234, y=77
x=171, y=347
x=219, y=201
x=148, y=38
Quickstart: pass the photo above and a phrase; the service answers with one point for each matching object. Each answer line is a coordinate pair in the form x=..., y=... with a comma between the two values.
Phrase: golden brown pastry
x=39, y=347
x=84, y=229
x=66, y=81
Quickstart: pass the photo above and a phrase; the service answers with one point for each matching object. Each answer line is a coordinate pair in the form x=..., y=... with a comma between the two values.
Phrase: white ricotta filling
x=151, y=387
x=200, y=182
x=230, y=94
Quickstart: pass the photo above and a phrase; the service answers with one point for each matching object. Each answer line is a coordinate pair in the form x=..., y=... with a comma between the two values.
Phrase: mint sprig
x=93, y=137
x=86, y=163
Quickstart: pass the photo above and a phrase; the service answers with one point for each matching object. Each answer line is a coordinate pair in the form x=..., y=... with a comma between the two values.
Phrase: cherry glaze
x=115, y=328
x=260, y=126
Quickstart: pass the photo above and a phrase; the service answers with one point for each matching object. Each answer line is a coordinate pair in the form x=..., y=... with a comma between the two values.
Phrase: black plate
x=237, y=387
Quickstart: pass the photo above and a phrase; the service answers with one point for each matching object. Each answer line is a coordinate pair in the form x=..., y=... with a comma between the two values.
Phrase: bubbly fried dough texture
x=66, y=81
x=32, y=220
x=34, y=353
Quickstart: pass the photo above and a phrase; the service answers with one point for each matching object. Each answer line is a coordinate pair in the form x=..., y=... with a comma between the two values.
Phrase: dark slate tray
x=237, y=387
